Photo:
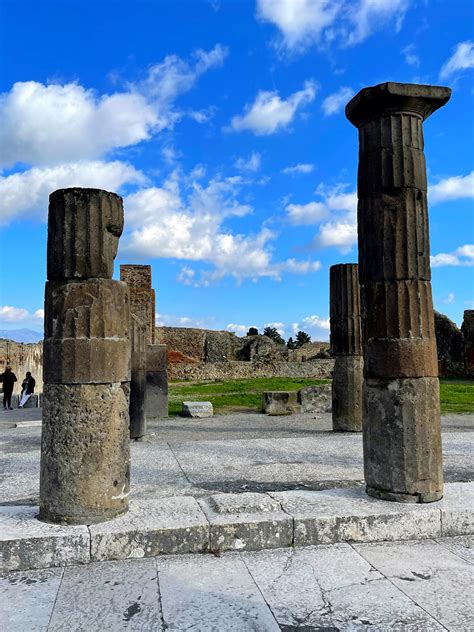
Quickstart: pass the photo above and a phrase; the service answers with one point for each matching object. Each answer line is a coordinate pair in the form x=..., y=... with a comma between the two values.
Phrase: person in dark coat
x=27, y=389
x=8, y=378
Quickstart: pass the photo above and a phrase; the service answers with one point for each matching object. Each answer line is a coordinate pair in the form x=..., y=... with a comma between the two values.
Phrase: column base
x=383, y=494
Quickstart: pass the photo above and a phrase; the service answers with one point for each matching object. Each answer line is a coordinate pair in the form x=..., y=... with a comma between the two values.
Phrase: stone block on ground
x=280, y=402
x=457, y=514
x=197, y=409
x=152, y=527
x=247, y=522
x=26, y=543
x=349, y=515
x=316, y=399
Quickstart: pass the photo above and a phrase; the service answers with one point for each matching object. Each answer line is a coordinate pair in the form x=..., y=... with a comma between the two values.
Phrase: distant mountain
x=21, y=335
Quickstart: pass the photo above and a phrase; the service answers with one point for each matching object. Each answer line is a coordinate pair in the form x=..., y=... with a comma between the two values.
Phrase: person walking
x=27, y=389
x=8, y=378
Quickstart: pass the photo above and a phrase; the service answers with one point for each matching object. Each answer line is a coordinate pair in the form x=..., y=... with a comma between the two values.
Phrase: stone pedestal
x=138, y=391
x=156, y=382
x=402, y=437
x=346, y=347
x=142, y=295
x=85, y=452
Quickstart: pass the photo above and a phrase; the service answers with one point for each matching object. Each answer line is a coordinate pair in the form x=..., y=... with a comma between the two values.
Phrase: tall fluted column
x=402, y=438
x=85, y=452
x=346, y=346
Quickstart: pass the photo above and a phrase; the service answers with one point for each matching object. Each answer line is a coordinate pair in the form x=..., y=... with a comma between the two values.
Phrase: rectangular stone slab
x=247, y=522
x=197, y=409
x=349, y=515
x=152, y=527
x=26, y=543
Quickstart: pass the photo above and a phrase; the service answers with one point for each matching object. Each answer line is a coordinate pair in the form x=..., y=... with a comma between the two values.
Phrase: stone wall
x=204, y=371
x=23, y=357
x=450, y=345
x=199, y=344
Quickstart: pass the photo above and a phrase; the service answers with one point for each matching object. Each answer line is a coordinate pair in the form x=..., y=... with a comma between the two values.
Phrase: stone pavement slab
x=210, y=594
x=108, y=596
x=462, y=546
x=27, y=543
x=152, y=527
x=27, y=599
x=431, y=576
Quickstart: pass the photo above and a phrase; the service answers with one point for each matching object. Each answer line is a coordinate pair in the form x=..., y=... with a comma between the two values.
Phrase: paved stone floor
x=411, y=586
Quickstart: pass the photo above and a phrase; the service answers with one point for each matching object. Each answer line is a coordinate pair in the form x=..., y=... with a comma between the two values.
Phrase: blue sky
x=222, y=125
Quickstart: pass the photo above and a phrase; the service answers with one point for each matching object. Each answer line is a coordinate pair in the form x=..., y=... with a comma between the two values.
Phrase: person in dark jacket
x=27, y=389
x=8, y=378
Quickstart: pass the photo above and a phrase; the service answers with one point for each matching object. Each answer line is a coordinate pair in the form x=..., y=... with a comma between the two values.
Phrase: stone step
x=230, y=522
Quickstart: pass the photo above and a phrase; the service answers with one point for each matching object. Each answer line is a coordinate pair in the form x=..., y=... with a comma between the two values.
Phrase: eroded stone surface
x=280, y=402
x=156, y=382
x=27, y=543
x=316, y=399
x=85, y=453
x=347, y=386
x=138, y=387
x=197, y=409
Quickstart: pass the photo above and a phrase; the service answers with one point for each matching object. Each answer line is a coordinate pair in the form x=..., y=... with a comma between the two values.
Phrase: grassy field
x=457, y=396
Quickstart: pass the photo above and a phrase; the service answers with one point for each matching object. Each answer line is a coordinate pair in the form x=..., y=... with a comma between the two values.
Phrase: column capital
x=386, y=98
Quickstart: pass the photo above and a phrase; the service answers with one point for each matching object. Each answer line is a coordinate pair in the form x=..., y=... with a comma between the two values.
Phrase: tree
x=291, y=344
x=272, y=333
x=302, y=338
x=253, y=331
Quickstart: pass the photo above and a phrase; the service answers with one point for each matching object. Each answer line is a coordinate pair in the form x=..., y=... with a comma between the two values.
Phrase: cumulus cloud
x=462, y=256
x=335, y=102
x=239, y=330
x=52, y=124
x=302, y=167
x=318, y=328
x=269, y=113
x=453, y=188
x=11, y=314
x=170, y=320
x=310, y=213
x=185, y=220
x=252, y=163
x=26, y=194
x=461, y=59
x=303, y=23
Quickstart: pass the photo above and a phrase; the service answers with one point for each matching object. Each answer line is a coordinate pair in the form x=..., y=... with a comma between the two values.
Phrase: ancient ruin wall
x=234, y=370
x=23, y=357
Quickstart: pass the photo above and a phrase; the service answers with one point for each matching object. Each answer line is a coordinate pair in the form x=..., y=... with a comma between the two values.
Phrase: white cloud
x=341, y=235
x=269, y=113
x=186, y=220
x=449, y=298
x=461, y=59
x=336, y=101
x=318, y=328
x=26, y=194
x=52, y=124
x=252, y=163
x=239, y=330
x=303, y=23
x=169, y=320
x=453, y=188
x=462, y=256
x=302, y=167
x=310, y=213
x=411, y=58
x=11, y=314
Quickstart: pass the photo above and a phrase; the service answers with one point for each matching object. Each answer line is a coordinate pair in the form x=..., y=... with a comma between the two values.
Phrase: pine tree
x=253, y=331
x=272, y=333
x=302, y=338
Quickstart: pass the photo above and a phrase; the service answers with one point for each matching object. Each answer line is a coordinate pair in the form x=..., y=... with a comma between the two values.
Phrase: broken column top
x=84, y=226
x=396, y=97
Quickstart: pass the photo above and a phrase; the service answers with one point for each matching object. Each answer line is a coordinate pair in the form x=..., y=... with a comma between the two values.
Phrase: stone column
x=142, y=296
x=156, y=382
x=346, y=346
x=138, y=395
x=402, y=439
x=85, y=452
x=467, y=329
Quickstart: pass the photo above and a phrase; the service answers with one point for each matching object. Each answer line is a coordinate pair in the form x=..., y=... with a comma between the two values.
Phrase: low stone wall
x=203, y=371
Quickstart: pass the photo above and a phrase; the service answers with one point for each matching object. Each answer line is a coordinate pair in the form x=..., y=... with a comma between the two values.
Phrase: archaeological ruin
x=402, y=429
x=346, y=347
x=85, y=449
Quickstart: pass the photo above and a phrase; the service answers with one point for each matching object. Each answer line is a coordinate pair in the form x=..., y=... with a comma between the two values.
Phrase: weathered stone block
x=347, y=383
x=246, y=522
x=280, y=402
x=156, y=382
x=152, y=527
x=450, y=347
x=85, y=453
x=86, y=360
x=401, y=357
x=315, y=399
x=27, y=543
x=84, y=226
x=197, y=409
x=142, y=296
x=467, y=329
x=402, y=439
x=94, y=308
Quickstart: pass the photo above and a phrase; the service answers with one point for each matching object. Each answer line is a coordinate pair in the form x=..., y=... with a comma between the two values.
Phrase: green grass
x=233, y=394
x=457, y=396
